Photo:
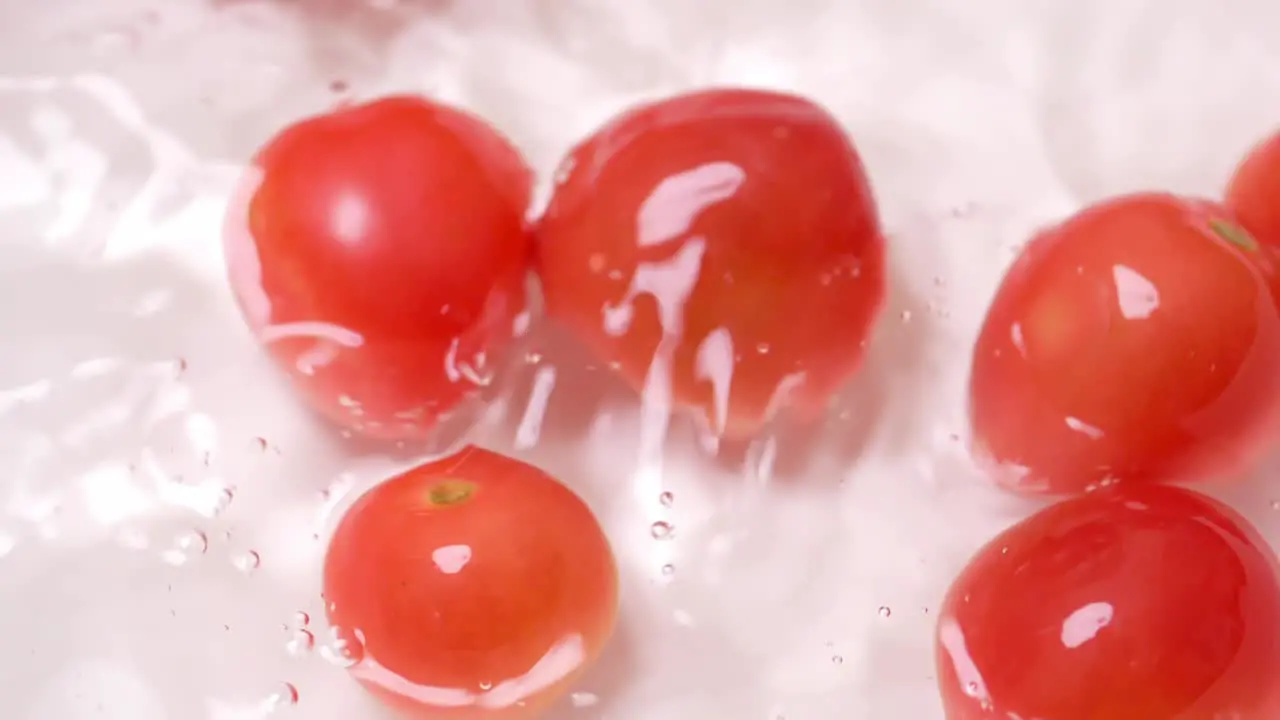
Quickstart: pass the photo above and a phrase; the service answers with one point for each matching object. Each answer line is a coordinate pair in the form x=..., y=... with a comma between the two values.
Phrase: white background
x=164, y=503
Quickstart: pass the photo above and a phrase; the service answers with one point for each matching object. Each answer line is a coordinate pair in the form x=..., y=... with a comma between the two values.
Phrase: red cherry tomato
x=380, y=253
x=1134, y=341
x=1254, y=191
x=724, y=244
x=472, y=588
x=1136, y=602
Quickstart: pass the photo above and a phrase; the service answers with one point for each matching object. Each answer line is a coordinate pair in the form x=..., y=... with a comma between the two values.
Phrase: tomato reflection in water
x=472, y=588
x=1135, y=602
x=722, y=250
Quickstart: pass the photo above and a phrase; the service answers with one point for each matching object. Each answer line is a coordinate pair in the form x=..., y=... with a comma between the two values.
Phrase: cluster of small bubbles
x=837, y=659
x=282, y=696
x=661, y=530
x=300, y=643
x=186, y=547
x=885, y=611
x=247, y=561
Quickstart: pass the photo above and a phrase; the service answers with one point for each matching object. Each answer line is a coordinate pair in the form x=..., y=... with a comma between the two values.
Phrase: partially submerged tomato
x=1137, y=602
x=1136, y=341
x=720, y=249
x=473, y=588
x=380, y=252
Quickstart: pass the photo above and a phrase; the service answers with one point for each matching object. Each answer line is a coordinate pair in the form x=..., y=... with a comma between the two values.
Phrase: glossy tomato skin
x=1135, y=602
x=1254, y=191
x=724, y=244
x=475, y=588
x=1134, y=341
x=380, y=252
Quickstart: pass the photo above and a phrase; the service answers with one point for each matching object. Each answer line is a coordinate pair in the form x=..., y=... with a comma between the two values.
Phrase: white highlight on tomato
x=1080, y=426
x=670, y=210
x=349, y=219
x=951, y=636
x=1019, y=342
x=450, y=559
x=714, y=362
x=559, y=662
x=1084, y=624
x=1137, y=295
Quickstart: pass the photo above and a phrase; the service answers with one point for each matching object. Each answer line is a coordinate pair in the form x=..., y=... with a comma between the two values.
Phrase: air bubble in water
x=668, y=570
x=300, y=643
x=667, y=499
x=223, y=501
x=486, y=685
x=282, y=696
x=260, y=443
x=837, y=659
x=885, y=611
x=247, y=561
x=661, y=530
x=301, y=619
x=343, y=648
x=186, y=547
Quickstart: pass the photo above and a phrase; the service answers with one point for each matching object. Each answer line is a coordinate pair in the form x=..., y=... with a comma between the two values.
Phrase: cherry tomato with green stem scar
x=1135, y=341
x=475, y=587
x=380, y=253
x=1135, y=602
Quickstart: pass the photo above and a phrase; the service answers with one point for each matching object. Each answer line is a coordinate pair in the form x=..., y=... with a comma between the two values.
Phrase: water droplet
x=837, y=659
x=885, y=611
x=486, y=685
x=763, y=348
x=260, y=443
x=186, y=547
x=668, y=570
x=667, y=499
x=661, y=530
x=220, y=504
x=282, y=696
x=300, y=643
x=343, y=648
x=247, y=561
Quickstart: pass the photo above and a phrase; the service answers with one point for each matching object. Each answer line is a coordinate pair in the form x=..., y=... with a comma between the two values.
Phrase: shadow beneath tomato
x=880, y=403
x=595, y=694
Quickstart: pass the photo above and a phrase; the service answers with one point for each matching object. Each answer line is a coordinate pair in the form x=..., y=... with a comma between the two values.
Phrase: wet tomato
x=1135, y=602
x=380, y=253
x=1134, y=341
x=721, y=249
x=1254, y=191
x=472, y=588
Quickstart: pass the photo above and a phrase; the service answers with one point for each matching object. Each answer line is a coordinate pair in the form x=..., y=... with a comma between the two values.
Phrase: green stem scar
x=450, y=492
x=1234, y=234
